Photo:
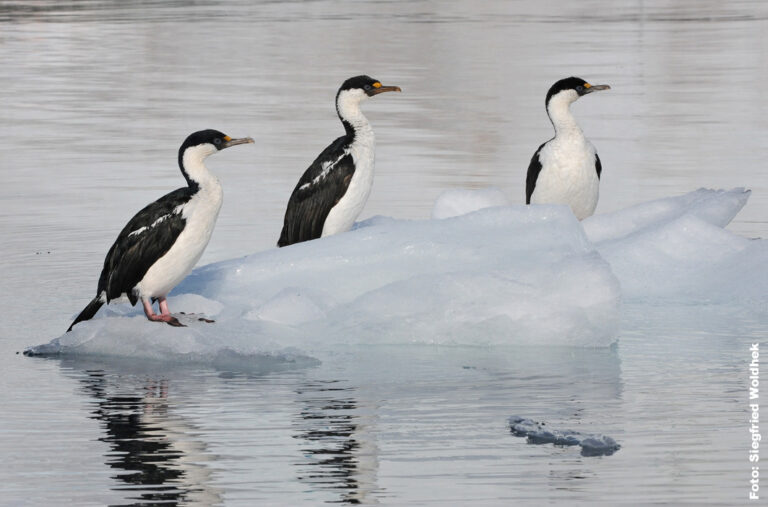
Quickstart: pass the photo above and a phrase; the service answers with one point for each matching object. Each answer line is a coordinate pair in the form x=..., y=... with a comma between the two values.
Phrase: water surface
x=97, y=96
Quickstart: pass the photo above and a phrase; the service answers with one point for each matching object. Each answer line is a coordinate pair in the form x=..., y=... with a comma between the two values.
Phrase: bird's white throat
x=194, y=165
x=345, y=212
x=559, y=111
x=348, y=107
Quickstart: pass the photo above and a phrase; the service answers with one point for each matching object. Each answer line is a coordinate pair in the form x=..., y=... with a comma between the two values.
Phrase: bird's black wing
x=534, y=168
x=146, y=238
x=598, y=166
x=323, y=184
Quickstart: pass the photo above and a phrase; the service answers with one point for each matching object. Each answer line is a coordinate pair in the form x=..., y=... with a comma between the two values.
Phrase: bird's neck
x=559, y=111
x=350, y=114
x=192, y=165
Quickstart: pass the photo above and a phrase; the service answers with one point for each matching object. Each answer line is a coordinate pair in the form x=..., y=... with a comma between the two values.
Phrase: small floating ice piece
x=598, y=445
x=537, y=433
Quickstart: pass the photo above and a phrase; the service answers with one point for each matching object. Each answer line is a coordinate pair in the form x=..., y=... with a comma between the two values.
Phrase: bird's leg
x=164, y=317
x=162, y=303
x=148, y=311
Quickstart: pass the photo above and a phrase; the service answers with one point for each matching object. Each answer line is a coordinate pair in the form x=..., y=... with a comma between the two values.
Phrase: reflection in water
x=151, y=448
x=102, y=10
x=339, y=446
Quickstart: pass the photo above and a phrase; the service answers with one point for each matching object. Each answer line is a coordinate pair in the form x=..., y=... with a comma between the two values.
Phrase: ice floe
x=482, y=273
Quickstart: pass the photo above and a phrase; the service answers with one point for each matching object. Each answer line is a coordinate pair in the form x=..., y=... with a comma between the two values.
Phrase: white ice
x=677, y=250
x=489, y=274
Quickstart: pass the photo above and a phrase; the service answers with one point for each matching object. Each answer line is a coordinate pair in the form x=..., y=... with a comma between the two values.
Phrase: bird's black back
x=534, y=168
x=598, y=165
x=133, y=253
x=308, y=207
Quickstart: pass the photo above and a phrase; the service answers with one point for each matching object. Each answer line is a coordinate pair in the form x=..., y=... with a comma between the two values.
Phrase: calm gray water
x=95, y=98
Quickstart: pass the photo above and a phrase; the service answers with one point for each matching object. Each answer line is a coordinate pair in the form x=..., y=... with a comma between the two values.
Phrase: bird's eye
x=367, y=87
x=217, y=141
x=580, y=88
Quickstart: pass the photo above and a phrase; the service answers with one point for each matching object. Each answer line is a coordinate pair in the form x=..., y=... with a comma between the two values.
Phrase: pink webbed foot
x=164, y=317
x=168, y=319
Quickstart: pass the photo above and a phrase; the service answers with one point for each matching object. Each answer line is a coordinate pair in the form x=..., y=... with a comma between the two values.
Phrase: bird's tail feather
x=89, y=311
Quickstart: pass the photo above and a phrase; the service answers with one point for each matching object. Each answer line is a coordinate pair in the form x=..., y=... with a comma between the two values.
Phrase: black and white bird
x=566, y=169
x=332, y=192
x=162, y=243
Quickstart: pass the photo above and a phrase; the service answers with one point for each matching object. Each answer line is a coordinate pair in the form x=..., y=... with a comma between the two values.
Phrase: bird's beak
x=382, y=89
x=228, y=141
x=588, y=88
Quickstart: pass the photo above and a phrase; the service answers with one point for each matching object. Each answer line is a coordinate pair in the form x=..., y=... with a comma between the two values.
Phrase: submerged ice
x=539, y=433
x=481, y=272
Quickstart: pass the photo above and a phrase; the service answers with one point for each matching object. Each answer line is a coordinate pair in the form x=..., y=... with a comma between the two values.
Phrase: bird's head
x=358, y=88
x=570, y=89
x=198, y=146
x=208, y=142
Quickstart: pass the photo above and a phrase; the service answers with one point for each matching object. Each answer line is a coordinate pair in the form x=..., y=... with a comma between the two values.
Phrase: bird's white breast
x=568, y=175
x=200, y=214
x=343, y=215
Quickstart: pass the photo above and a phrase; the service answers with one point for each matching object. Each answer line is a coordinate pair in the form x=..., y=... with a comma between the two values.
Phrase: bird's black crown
x=365, y=83
x=569, y=83
x=210, y=136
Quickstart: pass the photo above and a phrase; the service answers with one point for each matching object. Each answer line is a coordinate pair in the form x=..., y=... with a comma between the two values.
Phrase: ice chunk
x=499, y=275
x=671, y=259
x=715, y=207
x=676, y=249
x=598, y=445
x=505, y=275
x=538, y=433
x=460, y=201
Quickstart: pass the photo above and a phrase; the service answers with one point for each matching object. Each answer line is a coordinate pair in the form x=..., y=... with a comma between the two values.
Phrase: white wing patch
x=327, y=168
x=160, y=220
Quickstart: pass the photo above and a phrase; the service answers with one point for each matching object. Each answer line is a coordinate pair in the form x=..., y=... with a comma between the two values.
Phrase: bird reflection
x=339, y=447
x=154, y=451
